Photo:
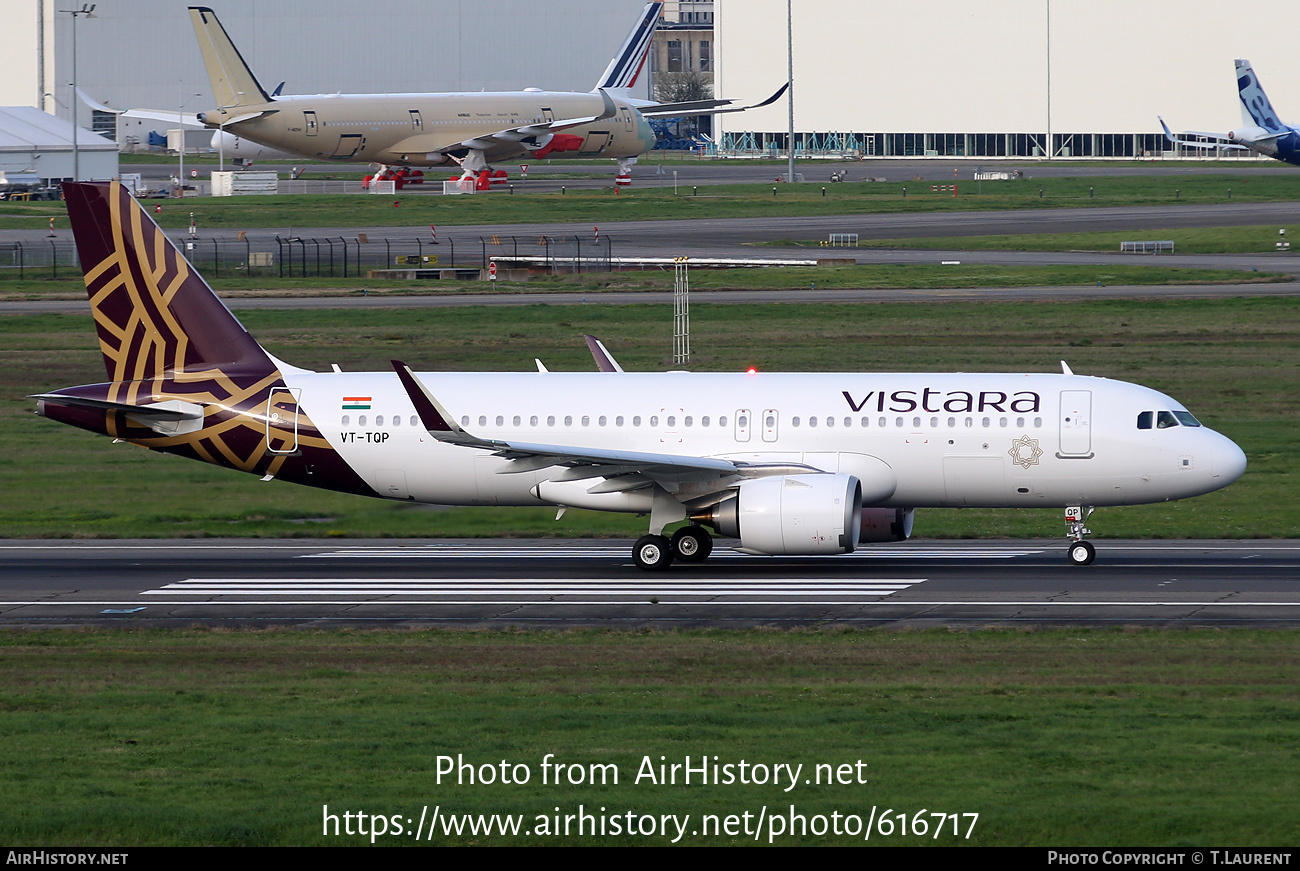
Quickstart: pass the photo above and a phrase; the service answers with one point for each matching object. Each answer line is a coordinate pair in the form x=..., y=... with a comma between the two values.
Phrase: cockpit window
x=1165, y=419
x=1186, y=419
x=1144, y=419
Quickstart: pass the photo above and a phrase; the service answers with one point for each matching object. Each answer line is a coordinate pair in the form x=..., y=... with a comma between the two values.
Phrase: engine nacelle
x=886, y=524
x=793, y=514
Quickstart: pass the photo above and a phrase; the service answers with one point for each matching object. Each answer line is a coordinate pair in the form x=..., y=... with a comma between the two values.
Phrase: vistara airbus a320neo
x=803, y=464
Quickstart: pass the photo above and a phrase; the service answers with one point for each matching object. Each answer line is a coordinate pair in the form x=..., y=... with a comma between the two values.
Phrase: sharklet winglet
x=436, y=419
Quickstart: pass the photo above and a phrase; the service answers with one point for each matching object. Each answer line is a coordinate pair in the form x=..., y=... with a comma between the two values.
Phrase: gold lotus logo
x=1025, y=452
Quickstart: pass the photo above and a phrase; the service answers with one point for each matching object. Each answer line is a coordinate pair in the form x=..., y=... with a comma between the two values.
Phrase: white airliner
x=787, y=463
x=471, y=130
x=1261, y=131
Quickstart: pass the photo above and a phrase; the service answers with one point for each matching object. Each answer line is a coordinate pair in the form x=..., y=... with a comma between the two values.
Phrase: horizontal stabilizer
x=173, y=409
x=170, y=417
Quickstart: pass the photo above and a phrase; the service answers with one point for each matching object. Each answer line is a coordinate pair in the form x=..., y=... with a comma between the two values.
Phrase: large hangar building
x=143, y=53
x=948, y=78
x=997, y=78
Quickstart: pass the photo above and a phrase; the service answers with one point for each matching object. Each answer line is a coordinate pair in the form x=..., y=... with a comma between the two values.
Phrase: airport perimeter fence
x=342, y=257
x=335, y=256
x=57, y=258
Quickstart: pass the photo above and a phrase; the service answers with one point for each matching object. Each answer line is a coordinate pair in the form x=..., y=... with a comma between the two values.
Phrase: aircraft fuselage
x=913, y=440
x=423, y=129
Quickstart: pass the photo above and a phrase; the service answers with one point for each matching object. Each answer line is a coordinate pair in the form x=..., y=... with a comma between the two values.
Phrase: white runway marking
x=517, y=591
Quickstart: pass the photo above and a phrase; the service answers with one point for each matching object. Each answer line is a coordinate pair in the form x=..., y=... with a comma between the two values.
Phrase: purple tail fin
x=156, y=317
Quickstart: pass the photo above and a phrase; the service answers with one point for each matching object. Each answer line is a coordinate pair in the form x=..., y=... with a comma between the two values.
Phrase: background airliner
x=472, y=130
x=787, y=463
x=1261, y=131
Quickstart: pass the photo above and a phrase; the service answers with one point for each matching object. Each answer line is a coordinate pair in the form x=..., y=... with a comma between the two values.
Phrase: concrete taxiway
x=548, y=583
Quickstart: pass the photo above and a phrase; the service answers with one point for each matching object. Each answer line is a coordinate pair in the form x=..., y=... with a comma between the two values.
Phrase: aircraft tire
x=692, y=544
x=1081, y=553
x=652, y=553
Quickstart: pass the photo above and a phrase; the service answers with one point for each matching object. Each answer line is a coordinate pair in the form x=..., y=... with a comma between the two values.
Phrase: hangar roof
x=25, y=128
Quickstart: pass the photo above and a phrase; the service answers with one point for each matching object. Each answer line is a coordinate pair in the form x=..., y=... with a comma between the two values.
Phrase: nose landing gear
x=1080, y=552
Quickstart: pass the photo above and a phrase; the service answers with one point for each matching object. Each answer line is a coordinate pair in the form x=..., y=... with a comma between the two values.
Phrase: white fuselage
x=421, y=129
x=915, y=440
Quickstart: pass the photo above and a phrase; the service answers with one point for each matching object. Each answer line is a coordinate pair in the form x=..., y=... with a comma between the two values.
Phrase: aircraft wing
x=704, y=107
x=185, y=120
x=1213, y=140
x=624, y=470
x=430, y=143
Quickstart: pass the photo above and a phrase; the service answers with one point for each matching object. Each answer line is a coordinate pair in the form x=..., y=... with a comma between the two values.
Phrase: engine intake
x=798, y=515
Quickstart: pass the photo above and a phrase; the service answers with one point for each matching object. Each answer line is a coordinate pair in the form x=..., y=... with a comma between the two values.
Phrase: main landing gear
x=1080, y=552
x=689, y=544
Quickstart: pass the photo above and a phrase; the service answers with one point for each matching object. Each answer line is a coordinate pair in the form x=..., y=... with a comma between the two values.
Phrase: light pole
x=180, y=136
x=789, y=55
x=88, y=10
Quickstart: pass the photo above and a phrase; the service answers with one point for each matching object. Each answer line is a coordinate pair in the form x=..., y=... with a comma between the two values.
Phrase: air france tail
x=625, y=68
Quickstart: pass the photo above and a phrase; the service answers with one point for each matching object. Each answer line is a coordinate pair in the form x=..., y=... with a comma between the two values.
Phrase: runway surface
x=562, y=583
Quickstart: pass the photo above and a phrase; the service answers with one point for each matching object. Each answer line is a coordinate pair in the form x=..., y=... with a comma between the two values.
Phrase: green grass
x=1261, y=239
x=915, y=276
x=1060, y=738
x=584, y=207
x=1231, y=361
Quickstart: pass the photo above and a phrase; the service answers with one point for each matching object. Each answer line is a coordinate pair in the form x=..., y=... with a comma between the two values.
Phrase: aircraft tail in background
x=629, y=60
x=1256, y=110
x=1261, y=130
x=233, y=83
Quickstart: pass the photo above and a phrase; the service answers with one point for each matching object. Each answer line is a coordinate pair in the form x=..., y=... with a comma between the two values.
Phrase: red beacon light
x=751, y=371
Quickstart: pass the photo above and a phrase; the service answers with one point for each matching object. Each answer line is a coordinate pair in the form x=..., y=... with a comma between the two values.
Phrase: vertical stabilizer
x=233, y=83
x=1256, y=110
x=156, y=316
x=624, y=69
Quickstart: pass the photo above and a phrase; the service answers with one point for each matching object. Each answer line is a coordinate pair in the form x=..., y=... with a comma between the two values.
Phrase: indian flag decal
x=359, y=403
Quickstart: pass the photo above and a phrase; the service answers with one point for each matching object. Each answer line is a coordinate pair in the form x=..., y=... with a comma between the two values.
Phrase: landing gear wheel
x=652, y=553
x=1081, y=553
x=692, y=544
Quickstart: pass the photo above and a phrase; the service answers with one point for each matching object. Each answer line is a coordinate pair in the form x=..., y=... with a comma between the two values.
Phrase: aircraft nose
x=1229, y=461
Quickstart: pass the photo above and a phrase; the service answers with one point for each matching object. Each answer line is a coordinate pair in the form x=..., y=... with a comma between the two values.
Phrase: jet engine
x=792, y=514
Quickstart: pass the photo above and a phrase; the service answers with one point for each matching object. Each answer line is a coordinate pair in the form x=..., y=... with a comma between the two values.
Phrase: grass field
x=1260, y=239
x=1232, y=362
x=1060, y=738
x=584, y=207
x=916, y=276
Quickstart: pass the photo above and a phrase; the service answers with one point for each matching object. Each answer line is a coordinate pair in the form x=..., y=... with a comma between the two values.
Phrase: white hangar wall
x=143, y=53
x=971, y=67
